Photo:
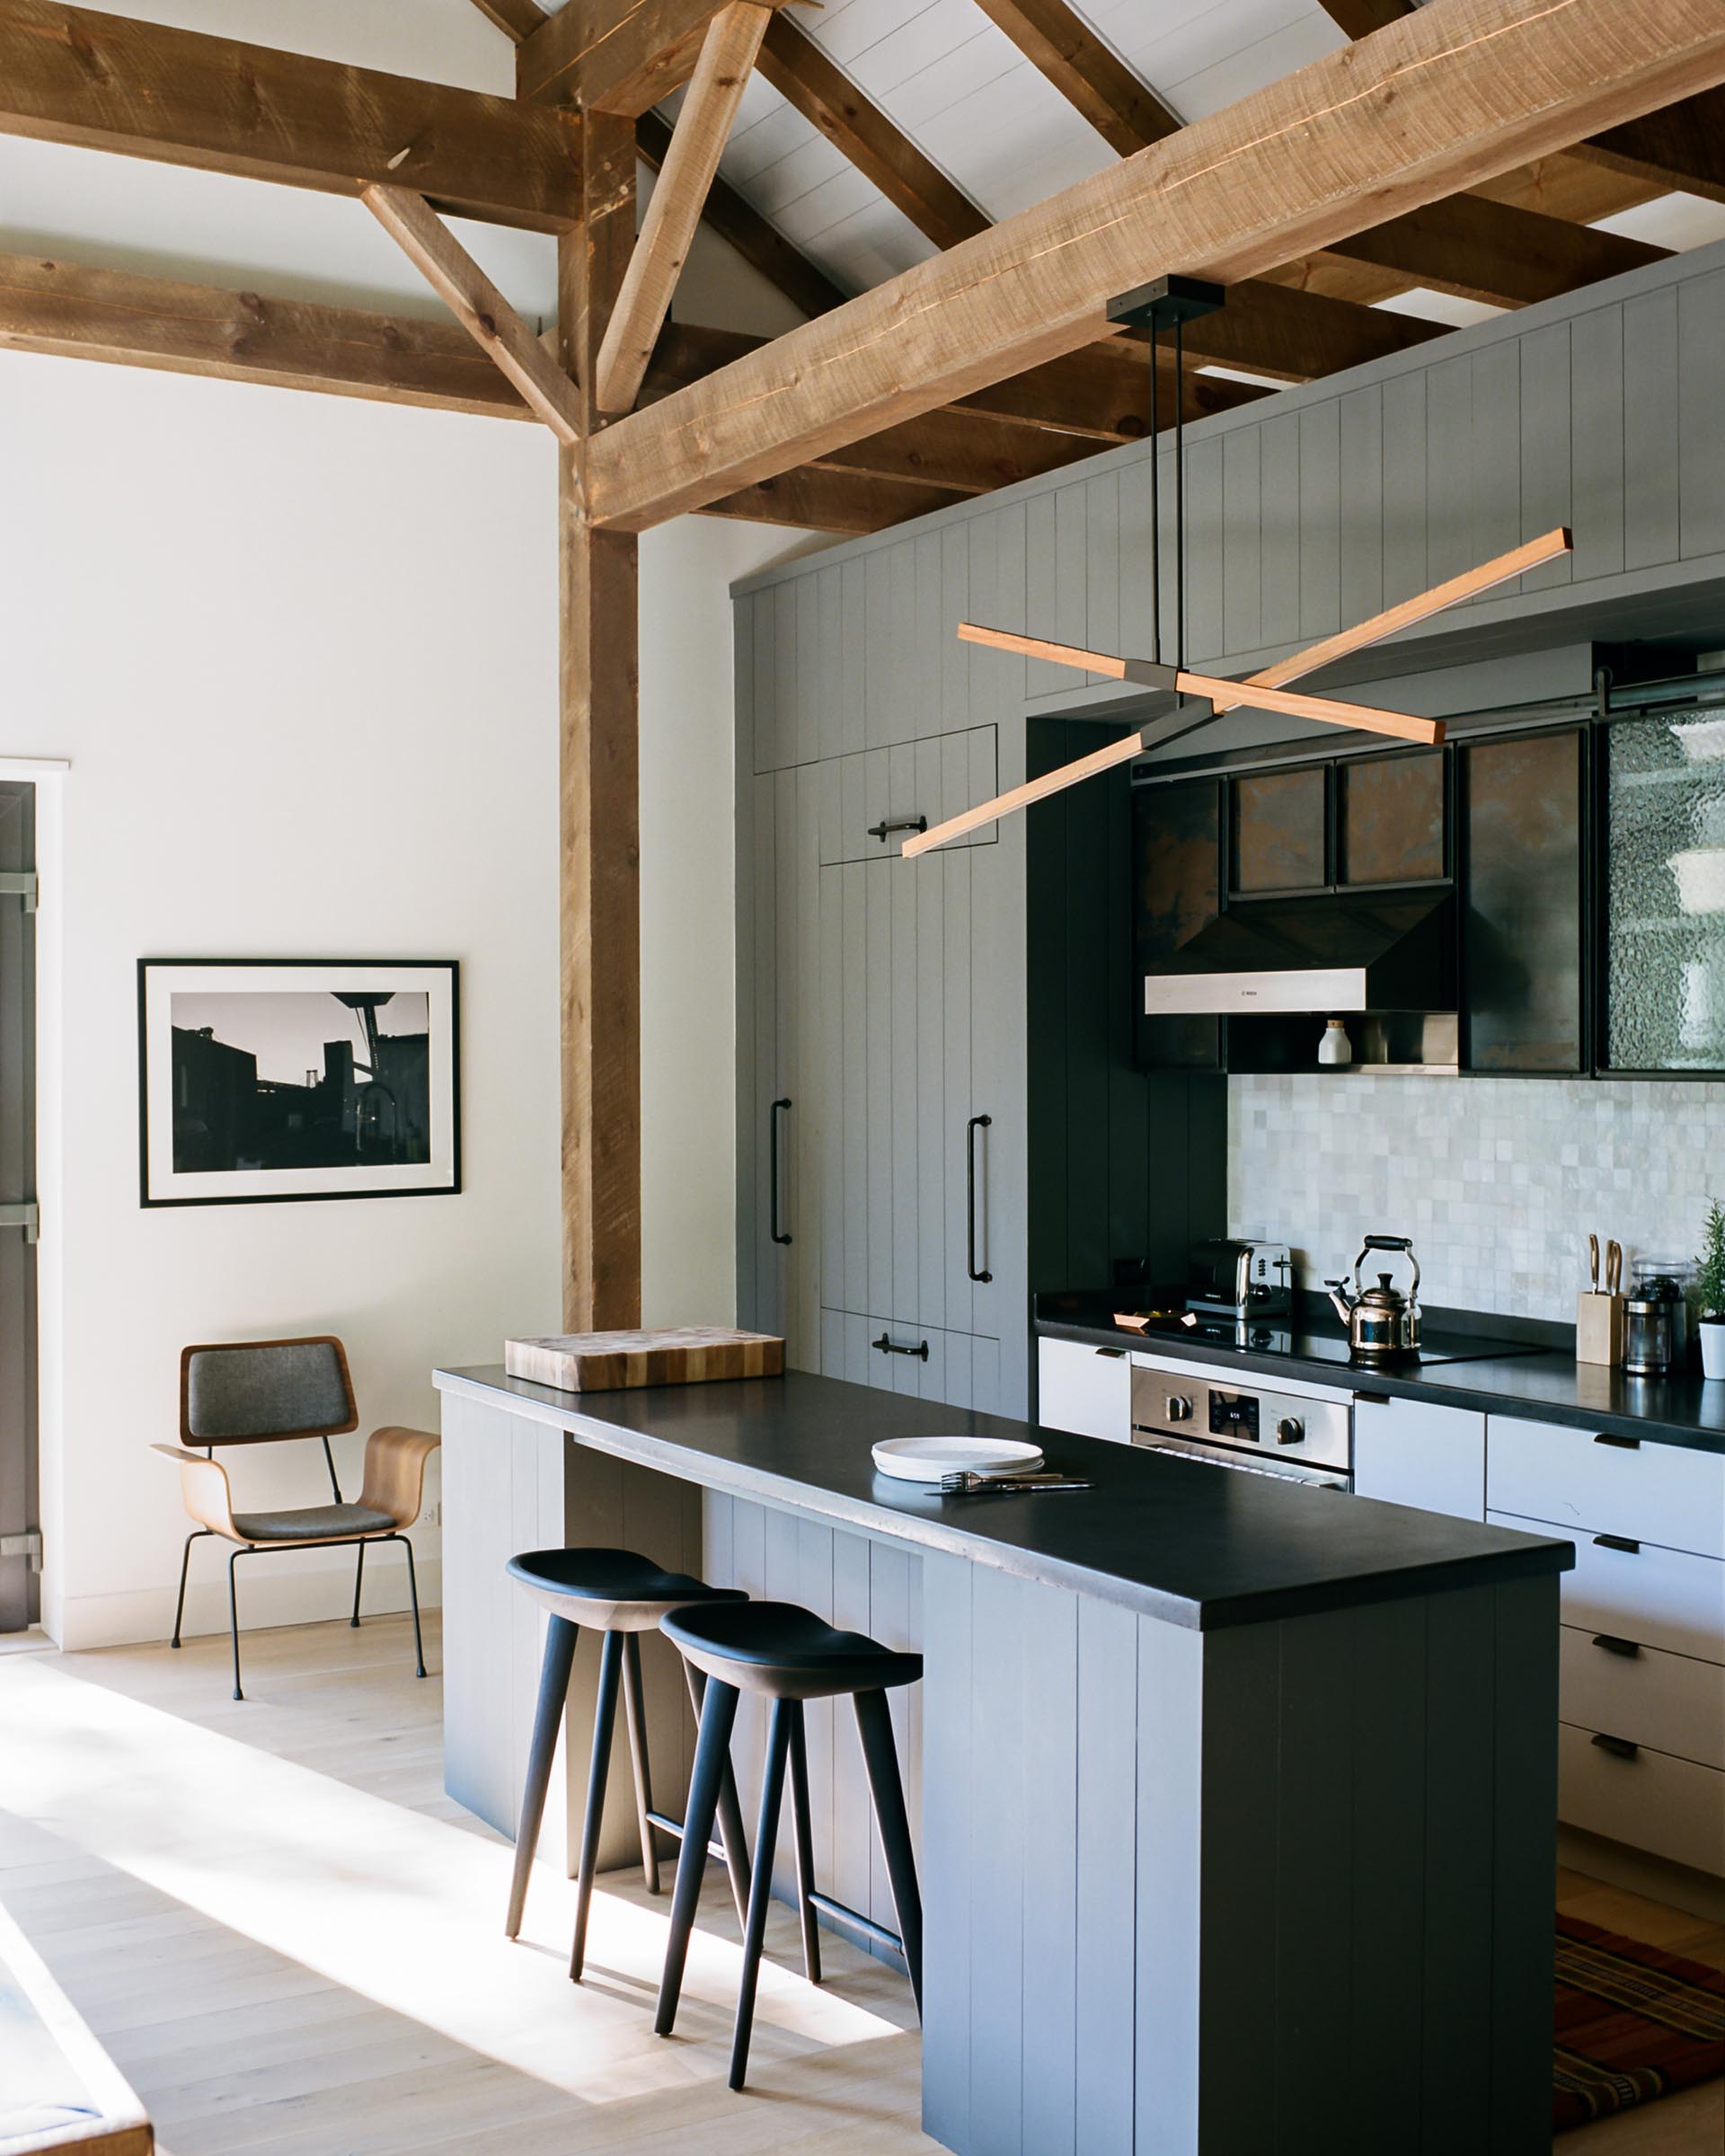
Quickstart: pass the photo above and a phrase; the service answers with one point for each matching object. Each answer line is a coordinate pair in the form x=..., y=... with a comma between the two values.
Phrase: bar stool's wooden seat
x=620, y=1595
x=788, y=1654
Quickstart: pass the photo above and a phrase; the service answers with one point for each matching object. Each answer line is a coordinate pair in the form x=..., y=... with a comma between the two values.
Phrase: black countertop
x=1193, y=1544
x=1547, y=1384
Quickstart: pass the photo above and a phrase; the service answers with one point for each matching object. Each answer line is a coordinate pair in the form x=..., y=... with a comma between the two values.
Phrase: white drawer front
x=1652, y=1801
x=1669, y=1702
x=1085, y=1390
x=1664, y=1598
x=1414, y=1453
x=1655, y=1493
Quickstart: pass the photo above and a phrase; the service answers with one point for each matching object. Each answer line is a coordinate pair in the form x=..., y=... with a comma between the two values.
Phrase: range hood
x=1333, y=952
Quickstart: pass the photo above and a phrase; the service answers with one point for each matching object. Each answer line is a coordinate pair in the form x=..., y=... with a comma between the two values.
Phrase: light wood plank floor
x=289, y=1938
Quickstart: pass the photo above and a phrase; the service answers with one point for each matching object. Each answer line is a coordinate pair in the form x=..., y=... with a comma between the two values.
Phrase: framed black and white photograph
x=296, y=1078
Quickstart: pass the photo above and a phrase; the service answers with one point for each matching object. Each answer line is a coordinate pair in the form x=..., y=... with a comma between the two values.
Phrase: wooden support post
x=600, y=849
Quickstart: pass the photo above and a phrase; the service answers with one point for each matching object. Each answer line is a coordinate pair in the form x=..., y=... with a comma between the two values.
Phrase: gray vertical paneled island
x=1234, y=1797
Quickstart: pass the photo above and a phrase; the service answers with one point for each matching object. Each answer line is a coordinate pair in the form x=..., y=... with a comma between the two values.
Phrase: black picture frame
x=163, y=1181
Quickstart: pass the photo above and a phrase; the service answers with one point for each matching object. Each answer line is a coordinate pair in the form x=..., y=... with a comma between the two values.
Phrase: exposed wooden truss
x=1424, y=109
x=177, y=96
x=1126, y=113
x=710, y=105
x=479, y=306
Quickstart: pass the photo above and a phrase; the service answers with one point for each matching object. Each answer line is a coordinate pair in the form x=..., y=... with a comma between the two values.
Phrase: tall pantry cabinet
x=881, y=1033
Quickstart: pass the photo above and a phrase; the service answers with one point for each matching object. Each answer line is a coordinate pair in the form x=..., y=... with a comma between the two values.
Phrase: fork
x=963, y=1482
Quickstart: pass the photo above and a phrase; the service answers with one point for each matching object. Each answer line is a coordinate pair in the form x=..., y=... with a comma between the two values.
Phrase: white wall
x=300, y=653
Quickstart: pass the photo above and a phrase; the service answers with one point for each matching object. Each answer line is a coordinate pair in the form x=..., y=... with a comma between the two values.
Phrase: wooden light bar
x=1262, y=691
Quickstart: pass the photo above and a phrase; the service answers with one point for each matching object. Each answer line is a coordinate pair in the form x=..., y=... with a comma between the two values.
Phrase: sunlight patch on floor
x=403, y=1909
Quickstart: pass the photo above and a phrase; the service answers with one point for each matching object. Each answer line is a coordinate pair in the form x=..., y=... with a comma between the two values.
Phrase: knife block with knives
x=1599, y=1314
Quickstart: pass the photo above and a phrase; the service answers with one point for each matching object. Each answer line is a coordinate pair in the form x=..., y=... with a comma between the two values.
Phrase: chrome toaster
x=1235, y=1277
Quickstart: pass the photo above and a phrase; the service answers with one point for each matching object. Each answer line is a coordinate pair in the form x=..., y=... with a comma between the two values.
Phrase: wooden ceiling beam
x=667, y=231
x=1681, y=146
x=1450, y=95
x=1478, y=250
x=517, y=19
x=179, y=97
x=479, y=306
x=614, y=56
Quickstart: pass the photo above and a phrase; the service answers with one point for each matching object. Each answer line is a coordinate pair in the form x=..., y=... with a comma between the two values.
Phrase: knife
x=1593, y=1264
x=1614, y=1266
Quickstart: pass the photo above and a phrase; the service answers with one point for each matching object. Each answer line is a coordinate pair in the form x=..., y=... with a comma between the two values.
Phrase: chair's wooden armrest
x=395, y=1460
x=204, y=1488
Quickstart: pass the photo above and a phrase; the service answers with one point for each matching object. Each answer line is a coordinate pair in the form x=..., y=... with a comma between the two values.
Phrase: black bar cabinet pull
x=887, y=1345
x=904, y=823
x=1613, y=1644
x=774, y=1229
x=976, y=1123
x=1624, y=1444
x=1617, y=1542
x=1619, y=1748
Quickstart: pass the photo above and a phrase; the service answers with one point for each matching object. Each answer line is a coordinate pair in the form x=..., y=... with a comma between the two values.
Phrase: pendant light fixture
x=1184, y=700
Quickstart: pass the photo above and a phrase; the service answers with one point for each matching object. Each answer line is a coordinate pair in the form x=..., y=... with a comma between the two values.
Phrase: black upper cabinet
x=1177, y=889
x=1523, y=815
x=1281, y=831
x=1390, y=821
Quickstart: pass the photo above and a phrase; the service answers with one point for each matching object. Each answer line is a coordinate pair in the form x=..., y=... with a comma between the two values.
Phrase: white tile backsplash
x=1498, y=1181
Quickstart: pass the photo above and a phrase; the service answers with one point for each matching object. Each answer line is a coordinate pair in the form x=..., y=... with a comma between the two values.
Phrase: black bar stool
x=789, y=1655
x=621, y=1595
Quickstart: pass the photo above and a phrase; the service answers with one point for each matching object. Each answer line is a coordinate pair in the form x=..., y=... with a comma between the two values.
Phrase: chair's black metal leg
x=635, y=1721
x=413, y=1596
x=197, y=1534
x=711, y=1757
x=604, y=1716
x=329, y=1461
x=766, y=1835
x=548, y=1715
x=880, y=1757
x=233, y=1618
x=359, y=1581
x=805, y=1841
x=734, y=1841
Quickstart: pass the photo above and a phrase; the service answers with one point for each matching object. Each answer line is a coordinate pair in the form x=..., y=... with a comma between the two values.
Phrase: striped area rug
x=1632, y=2024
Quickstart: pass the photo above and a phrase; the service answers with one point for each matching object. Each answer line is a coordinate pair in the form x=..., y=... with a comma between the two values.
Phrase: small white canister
x=1335, y=1050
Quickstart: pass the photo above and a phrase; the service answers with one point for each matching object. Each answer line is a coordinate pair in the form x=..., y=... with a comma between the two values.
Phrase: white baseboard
x=275, y=1587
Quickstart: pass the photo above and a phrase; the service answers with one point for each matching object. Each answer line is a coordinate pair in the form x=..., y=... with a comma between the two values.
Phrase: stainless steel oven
x=1303, y=1432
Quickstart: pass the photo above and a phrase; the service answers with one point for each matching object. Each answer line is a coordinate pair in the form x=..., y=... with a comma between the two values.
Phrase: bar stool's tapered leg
x=414, y=1596
x=880, y=1757
x=359, y=1582
x=233, y=1618
x=548, y=1715
x=730, y=1811
x=711, y=1758
x=635, y=1720
x=766, y=1835
x=805, y=1842
x=604, y=1717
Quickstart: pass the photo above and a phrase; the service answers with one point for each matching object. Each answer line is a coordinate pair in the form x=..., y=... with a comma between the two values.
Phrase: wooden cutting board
x=607, y=1362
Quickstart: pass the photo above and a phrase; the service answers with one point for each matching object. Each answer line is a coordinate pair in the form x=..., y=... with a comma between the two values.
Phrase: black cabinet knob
x=1179, y=1409
x=1290, y=1430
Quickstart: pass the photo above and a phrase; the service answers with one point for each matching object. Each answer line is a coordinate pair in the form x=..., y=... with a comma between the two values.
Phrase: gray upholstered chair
x=264, y=1391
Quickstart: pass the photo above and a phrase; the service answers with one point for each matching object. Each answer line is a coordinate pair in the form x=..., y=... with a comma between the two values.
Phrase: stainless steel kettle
x=1382, y=1322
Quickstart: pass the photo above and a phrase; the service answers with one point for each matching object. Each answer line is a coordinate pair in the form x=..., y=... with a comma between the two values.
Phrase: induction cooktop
x=1305, y=1343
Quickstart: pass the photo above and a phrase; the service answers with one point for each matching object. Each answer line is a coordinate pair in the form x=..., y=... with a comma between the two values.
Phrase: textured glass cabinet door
x=1665, y=921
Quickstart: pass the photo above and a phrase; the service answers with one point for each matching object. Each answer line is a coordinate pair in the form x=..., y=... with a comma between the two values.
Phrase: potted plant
x=1710, y=1292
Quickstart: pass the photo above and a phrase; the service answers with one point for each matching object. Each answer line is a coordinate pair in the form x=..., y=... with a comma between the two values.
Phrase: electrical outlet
x=432, y=1515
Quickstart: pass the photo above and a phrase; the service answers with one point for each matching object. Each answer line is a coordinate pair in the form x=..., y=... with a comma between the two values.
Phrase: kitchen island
x=1234, y=1797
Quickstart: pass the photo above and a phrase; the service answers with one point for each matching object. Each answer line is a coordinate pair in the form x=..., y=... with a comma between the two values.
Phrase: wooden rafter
x=703, y=125
x=179, y=97
x=614, y=56
x=479, y=306
x=1480, y=250
x=1126, y=112
x=1424, y=109
x=517, y=19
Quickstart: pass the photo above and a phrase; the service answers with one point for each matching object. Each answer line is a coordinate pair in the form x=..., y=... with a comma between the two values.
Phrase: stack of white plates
x=927, y=1459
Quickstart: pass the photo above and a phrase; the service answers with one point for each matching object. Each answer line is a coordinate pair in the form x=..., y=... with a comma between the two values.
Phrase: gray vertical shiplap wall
x=890, y=1004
